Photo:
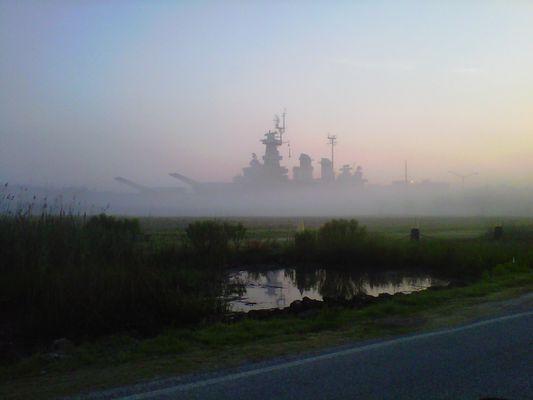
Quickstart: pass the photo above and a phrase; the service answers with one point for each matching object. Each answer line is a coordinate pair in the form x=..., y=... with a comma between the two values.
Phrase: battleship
x=265, y=188
x=270, y=174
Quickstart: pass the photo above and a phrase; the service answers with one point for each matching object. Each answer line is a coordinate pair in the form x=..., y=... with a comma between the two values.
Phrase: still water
x=278, y=288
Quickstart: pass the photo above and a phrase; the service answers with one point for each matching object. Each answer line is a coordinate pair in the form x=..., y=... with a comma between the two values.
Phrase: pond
x=279, y=287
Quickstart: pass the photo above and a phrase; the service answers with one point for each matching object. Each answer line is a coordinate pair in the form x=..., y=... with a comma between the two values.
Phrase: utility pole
x=332, y=140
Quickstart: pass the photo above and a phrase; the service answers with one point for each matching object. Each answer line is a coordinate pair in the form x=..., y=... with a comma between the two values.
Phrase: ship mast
x=280, y=129
x=332, y=140
x=272, y=170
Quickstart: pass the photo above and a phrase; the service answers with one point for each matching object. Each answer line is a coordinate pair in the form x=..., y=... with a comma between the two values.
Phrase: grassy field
x=397, y=227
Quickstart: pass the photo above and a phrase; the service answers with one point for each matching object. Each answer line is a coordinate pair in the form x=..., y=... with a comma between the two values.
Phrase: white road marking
x=296, y=363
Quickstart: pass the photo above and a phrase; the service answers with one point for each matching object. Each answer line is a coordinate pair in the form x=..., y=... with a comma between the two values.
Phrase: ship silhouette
x=270, y=175
x=264, y=188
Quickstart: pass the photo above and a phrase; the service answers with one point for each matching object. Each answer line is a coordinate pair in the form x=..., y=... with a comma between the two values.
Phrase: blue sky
x=91, y=90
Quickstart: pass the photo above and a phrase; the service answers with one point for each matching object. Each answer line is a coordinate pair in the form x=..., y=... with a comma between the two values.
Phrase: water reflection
x=278, y=288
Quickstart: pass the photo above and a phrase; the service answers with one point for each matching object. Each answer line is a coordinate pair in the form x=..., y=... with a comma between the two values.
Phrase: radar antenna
x=332, y=141
x=280, y=128
x=279, y=124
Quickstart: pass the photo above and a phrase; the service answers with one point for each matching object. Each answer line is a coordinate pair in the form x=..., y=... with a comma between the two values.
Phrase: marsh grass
x=67, y=274
x=343, y=243
x=70, y=276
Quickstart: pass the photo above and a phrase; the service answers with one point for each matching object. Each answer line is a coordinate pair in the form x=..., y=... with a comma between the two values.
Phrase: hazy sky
x=94, y=89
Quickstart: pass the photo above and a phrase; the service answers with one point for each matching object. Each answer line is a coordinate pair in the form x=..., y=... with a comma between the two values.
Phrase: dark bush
x=341, y=234
x=67, y=276
x=210, y=240
x=208, y=237
x=305, y=244
x=342, y=241
x=261, y=252
x=109, y=238
x=236, y=233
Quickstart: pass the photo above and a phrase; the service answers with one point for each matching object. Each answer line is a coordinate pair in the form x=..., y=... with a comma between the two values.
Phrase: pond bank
x=122, y=360
x=308, y=307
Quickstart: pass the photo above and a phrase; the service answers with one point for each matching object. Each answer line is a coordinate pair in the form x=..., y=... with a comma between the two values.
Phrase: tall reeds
x=66, y=275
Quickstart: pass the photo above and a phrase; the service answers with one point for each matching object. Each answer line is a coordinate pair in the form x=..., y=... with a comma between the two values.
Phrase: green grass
x=72, y=276
x=279, y=228
x=146, y=293
x=205, y=347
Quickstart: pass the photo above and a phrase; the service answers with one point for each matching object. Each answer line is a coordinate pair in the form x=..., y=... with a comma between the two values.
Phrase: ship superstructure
x=265, y=188
x=270, y=170
x=270, y=173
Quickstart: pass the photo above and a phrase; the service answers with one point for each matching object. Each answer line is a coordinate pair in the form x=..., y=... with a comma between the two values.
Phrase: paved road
x=492, y=358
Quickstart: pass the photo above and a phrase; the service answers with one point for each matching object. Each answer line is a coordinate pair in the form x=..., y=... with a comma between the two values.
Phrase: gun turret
x=191, y=182
x=132, y=184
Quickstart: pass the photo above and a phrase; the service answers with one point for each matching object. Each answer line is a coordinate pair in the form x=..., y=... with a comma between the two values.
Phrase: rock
x=62, y=346
x=296, y=306
x=370, y=299
x=60, y=349
x=259, y=314
x=233, y=317
x=361, y=300
x=336, y=301
x=8, y=353
x=55, y=356
x=310, y=304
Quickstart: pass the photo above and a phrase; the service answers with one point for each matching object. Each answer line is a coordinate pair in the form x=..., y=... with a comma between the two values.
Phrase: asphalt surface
x=491, y=358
